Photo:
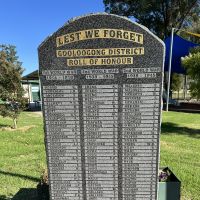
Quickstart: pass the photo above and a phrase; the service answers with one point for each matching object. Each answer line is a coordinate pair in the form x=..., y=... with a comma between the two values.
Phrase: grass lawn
x=180, y=150
x=22, y=153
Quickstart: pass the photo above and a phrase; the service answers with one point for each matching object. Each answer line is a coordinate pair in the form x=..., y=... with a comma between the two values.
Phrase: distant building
x=31, y=85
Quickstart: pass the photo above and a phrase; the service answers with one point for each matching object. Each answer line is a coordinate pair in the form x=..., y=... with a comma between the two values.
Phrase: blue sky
x=26, y=23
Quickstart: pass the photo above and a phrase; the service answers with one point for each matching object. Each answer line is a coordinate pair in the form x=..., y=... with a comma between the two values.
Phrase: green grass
x=22, y=153
x=180, y=150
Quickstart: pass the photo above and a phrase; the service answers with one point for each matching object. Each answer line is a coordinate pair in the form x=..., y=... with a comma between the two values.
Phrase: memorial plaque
x=101, y=79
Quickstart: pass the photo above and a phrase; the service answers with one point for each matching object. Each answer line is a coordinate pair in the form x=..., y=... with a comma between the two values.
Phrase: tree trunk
x=15, y=123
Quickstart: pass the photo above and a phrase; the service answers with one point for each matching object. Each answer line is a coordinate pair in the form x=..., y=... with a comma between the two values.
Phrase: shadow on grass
x=3, y=197
x=26, y=194
x=20, y=176
x=23, y=193
x=169, y=128
x=4, y=126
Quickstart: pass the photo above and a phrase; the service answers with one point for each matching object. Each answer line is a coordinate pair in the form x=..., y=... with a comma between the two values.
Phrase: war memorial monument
x=101, y=79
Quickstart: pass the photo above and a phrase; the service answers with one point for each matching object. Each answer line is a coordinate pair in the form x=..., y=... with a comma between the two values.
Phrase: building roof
x=32, y=76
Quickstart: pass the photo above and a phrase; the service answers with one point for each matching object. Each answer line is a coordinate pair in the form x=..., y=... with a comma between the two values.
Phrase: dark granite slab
x=101, y=78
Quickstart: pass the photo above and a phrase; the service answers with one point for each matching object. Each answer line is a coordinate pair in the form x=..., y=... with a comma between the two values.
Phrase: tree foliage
x=195, y=50
x=11, y=90
x=176, y=82
x=159, y=16
x=193, y=28
x=192, y=66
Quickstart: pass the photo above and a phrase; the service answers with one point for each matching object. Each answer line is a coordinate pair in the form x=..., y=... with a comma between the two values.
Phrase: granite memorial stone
x=101, y=79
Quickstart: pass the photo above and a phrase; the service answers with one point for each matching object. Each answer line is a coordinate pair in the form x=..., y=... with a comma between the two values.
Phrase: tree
x=11, y=91
x=176, y=82
x=159, y=16
x=194, y=27
x=195, y=50
x=192, y=66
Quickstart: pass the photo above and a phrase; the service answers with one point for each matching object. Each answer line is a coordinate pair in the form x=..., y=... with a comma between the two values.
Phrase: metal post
x=40, y=91
x=169, y=68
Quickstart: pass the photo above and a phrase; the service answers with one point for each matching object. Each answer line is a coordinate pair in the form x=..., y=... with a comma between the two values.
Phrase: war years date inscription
x=101, y=105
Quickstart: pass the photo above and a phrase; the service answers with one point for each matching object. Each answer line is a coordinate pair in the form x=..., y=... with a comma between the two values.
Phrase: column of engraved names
x=156, y=123
x=100, y=109
x=139, y=140
x=63, y=134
